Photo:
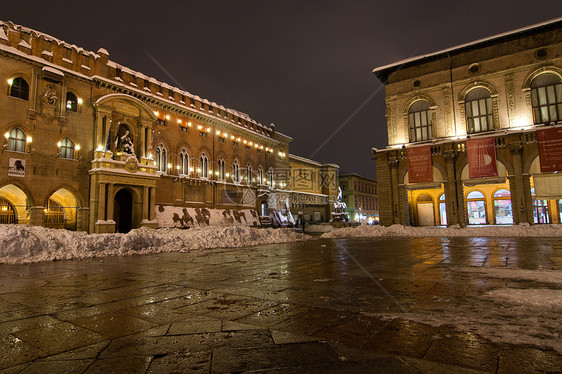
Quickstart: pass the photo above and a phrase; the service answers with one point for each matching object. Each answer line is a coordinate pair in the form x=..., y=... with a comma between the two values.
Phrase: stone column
x=451, y=201
x=110, y=203
x=36, y=215
x=101, y=203
x=142, y=143
x=82, y=216
x=145, y=207
x=516, y=185
x=394, y=163
x=151, y=205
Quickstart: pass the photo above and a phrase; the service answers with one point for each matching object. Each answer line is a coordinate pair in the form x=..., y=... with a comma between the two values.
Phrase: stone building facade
x=359, y=193
x=92, y=145
x=496, y=102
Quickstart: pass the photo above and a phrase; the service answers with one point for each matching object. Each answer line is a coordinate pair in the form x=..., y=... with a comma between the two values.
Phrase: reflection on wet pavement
x=395, y=304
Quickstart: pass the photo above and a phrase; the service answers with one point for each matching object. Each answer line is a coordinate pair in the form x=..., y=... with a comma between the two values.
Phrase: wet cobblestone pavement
x=327, y=306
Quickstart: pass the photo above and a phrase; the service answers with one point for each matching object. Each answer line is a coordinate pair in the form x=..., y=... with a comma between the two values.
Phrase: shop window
x=161, y=158
x=502, y=207
x=476, y=208
x=66, y=147
x=546, y=98
x=419, y=121
x=19, y=88
x=71, y=102
x=478, y=109
x=540, y=209
x=183, y=162
x=442, y=210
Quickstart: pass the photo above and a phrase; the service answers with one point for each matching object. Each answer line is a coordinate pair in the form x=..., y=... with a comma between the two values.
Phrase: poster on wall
x=482, y=157
x=16, y=167
x=419, y=164
x=550, y=149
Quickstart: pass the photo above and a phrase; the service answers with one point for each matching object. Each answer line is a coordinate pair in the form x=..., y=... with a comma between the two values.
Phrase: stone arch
x=64, y=212
x=113, y=100
x=415, y=98
x=477, y=84
x=530, y=160
x=535, y=73
x=20, y=199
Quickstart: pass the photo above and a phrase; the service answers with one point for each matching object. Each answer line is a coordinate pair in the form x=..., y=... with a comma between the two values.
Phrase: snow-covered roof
x=382, y=72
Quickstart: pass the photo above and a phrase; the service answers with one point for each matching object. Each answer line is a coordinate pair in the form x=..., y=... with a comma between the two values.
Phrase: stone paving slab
x=288, y=308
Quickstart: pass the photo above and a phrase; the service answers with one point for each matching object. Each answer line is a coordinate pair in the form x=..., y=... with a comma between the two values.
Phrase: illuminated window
x=66, y=148
x=546, y=98
x=16, y=140
x=161, y=158
x=478, y=109
x=183, y=162
x=203, y=166
x=270, y=177
x=476, y=208
x=71, y=102
x=260, y=175
x=248, y=174
x=419, y=120
x=221, y=169
x=19, y=88
x=502, y=207
x=442, y=210
x=236, y=171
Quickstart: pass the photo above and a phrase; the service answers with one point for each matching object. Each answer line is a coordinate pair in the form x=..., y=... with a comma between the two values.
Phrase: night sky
x=304, y=65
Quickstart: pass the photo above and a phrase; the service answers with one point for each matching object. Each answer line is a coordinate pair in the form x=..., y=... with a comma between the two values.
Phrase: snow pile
x=521, y=230
x=25, y=244
x=513, y=315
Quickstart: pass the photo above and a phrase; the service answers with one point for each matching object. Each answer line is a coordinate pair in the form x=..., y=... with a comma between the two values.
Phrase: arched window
x=71, y=102
x=420, y=121
x=546, y=98
x=248, y=174
x=203, y=166
x=502, y=207
x=183, y=162
x=220, y=166
x=270, y=177
x=161, y=158
x=235, y=172
x=19, y=88
x=478, y=109
x=66, y=147
x=476, y=208
x=260, y=175
x=16, y=140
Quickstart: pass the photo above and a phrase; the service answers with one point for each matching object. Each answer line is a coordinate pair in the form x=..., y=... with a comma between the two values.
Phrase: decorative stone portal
x=122, y=186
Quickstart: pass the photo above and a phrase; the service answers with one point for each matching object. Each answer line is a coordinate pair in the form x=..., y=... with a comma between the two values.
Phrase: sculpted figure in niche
x=127, y=144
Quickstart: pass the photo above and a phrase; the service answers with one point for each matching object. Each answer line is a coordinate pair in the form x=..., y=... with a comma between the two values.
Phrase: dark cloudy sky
x=304, y=65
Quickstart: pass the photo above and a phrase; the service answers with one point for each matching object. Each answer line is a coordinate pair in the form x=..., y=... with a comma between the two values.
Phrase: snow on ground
x=25, y=244
x=524, y=230
x=513, y=314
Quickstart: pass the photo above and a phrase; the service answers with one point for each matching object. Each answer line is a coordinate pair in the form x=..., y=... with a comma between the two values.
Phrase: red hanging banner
x=550, y=149
x=481, y=157
x=419, y=164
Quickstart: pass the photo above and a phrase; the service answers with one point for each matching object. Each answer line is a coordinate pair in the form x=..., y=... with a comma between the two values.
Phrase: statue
x=127, y=144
